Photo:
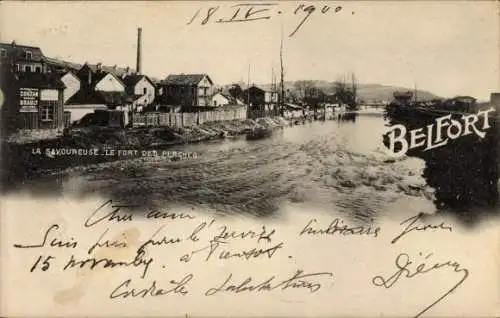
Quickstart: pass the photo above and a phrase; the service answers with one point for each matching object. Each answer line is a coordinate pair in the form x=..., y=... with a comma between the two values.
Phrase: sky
x=447, y=47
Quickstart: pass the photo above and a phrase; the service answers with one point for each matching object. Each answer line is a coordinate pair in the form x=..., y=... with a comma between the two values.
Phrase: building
x=188, y=90
x=271, y=97
x=140, y=89
x=259, y=98
x=33, y=91
x=460, y=103
x=99, y=90
x=255, y=96
x=33, y=102
x=100, y=79
x=72, y=83
x=22, y=58
x=62, y=67
x=221, y=99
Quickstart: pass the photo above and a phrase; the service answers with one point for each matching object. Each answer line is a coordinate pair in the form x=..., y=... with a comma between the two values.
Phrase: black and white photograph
x=250, y=158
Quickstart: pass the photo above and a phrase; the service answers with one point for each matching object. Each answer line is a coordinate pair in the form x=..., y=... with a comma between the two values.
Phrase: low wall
x=187, y=119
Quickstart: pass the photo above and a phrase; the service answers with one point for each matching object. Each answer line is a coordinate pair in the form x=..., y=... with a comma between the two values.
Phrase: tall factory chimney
x=139, y=57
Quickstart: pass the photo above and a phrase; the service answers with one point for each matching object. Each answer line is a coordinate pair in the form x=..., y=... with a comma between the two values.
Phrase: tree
x=314, y=96
x=354, y=90
x=301, y=87
x=344, y=93
x=237, y=92
x=340, y=88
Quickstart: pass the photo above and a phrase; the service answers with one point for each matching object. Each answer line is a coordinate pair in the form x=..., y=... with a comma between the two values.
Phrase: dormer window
x=3, y=53
x=29, y=55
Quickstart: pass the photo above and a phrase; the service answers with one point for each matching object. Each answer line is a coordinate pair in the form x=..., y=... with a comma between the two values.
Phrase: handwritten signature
x=247, y=12
x=409, y=269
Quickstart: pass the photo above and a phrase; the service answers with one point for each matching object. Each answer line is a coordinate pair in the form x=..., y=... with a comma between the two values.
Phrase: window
x=29, y=55
x=3, y=53
x=27, y=68
x=145, y=90
x=17, y=67
x=47, y=112
x=38, y=69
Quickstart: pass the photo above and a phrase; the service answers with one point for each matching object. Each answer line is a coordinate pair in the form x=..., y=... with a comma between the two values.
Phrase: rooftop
x=185, y=79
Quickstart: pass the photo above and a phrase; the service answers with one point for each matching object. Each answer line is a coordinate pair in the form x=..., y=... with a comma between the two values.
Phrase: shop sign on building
x=49, y=95
x=28, y=99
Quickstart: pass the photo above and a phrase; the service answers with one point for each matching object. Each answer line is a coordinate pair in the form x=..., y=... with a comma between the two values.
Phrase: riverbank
x=25, y=159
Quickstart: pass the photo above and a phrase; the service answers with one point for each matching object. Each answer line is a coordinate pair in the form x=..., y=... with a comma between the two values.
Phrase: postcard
x=250, y=159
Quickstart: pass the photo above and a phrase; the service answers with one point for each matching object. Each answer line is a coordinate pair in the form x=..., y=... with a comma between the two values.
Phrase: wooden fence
x=186, y=119
x=258, y=113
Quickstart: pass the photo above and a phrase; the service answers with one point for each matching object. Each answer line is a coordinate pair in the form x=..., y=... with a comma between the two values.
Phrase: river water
x=338, y=167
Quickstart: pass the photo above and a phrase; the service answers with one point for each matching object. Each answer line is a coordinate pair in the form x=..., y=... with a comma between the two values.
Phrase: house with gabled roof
x=221, y=99
x=140, y=89
x=99, y=90
x=100, y=79
x=72, y=83
x=188, y=89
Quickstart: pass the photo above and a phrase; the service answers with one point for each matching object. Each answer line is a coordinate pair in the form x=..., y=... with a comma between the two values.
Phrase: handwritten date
x=247, y=12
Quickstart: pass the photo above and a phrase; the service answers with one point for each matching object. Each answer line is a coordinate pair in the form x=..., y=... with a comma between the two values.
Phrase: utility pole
x=248, y=87
x=354, y=88
x=273, y=92
x=282, y=101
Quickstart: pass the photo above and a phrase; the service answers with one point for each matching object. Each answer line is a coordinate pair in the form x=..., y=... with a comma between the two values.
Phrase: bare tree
x=354, y=87
x=344, y=93
x=340, y=88
x=302, y=87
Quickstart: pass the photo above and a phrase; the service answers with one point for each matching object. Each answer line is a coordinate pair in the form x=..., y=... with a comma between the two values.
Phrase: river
x=338, y=167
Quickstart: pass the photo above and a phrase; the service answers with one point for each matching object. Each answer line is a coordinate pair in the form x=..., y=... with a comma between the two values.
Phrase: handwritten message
x=110, y=241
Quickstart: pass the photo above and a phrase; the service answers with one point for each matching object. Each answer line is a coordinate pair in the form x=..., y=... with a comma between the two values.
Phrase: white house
x=141, y=90
x=72, y=83
x=109, y=83
x=271, y=97
x=220, y=99
x=99, y=90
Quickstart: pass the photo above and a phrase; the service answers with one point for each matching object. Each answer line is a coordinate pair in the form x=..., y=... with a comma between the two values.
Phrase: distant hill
x=383, y=92
x=368, y=92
